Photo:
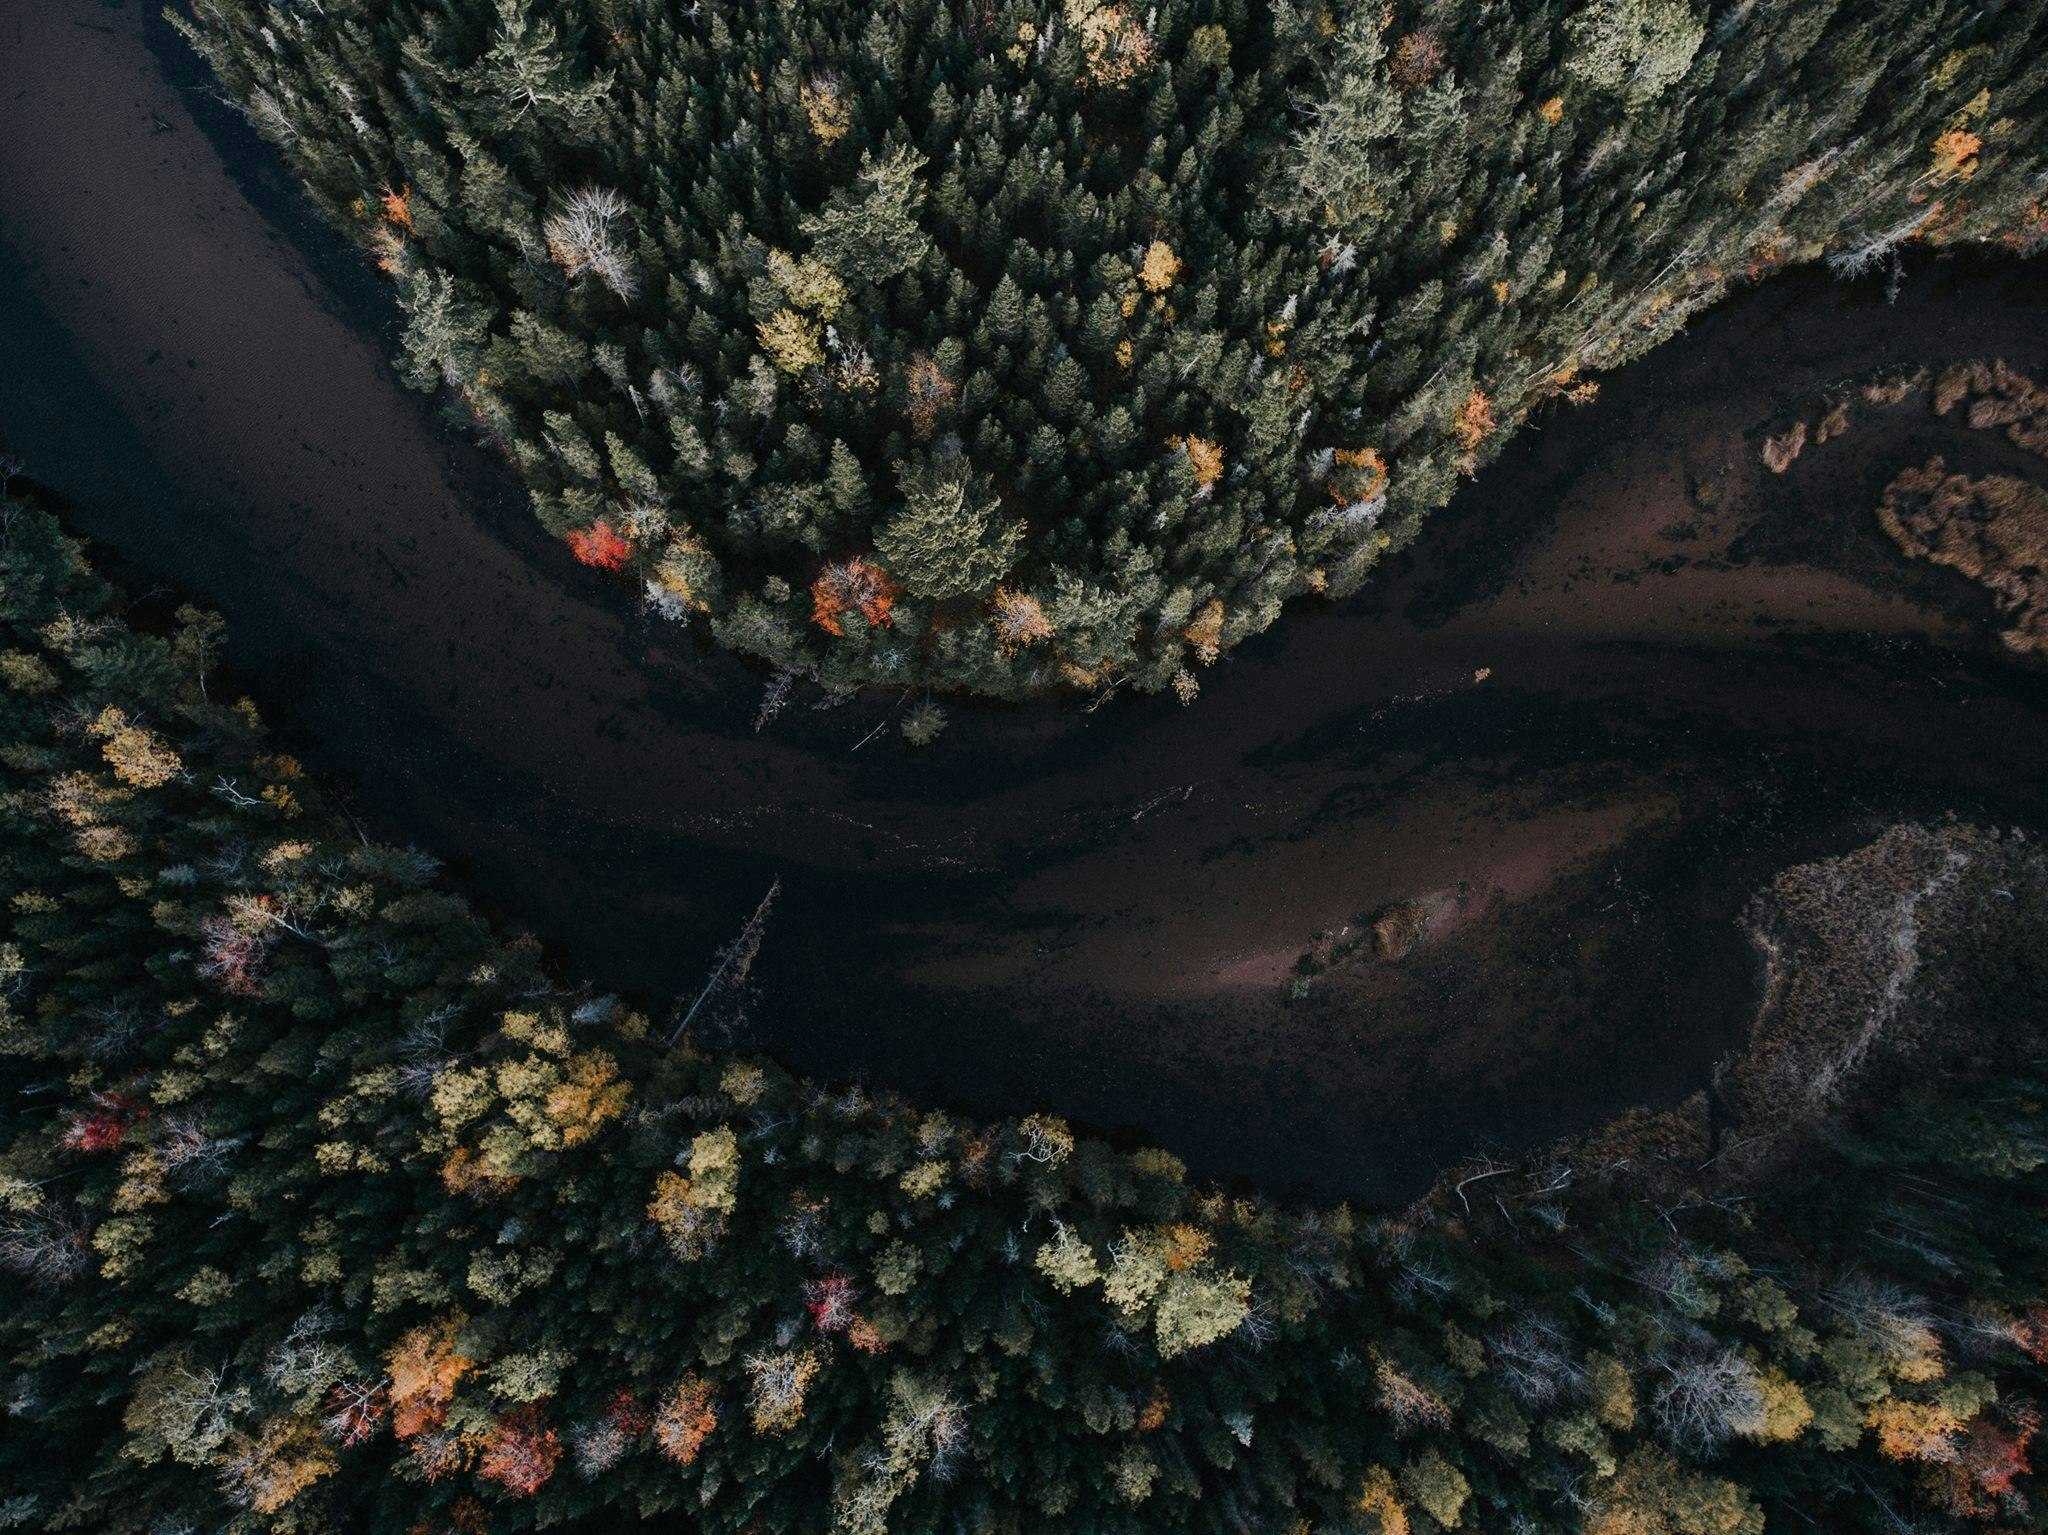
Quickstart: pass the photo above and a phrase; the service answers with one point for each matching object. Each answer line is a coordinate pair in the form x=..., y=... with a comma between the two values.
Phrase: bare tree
x=774, y=697
x=587, y=234
x=304, y=1361
x=1534, y=1361
x=727, y=993
x=193, y=1153
x=598, y=1445
x=1708, y=1396
x=47, y=1247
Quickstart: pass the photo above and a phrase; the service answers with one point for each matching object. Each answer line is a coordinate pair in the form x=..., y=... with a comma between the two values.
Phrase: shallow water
x=1093, y=912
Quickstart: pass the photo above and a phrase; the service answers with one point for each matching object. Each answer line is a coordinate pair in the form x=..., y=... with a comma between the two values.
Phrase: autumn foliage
x=600, y=545
x=521, y=1453
x=686, y=1419
x=1019, y=619
x=2030, y=1333
x=857, y=586
x=104, y=1124
x=1117, y=47
x=1983, y=1479
x=1205, y=631
x=1205, y=458
x=425, y=1369
x=397, y=206
x=281, y=1462
x=1475, y=421
x=1159, y=268
x=927, y=395
x=1955, y=155
x=1357, y=474
x=759, y=268
x=711, y=1295
x=1417, y=60
x=626, y=1413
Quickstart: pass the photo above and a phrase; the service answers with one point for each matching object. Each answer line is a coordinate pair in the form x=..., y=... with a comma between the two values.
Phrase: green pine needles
x=1019, y=344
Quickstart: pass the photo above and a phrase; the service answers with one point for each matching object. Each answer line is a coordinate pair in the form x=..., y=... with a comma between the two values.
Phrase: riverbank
x=1091, y=912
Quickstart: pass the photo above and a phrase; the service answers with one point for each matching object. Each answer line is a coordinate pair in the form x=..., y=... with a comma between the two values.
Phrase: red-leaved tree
x=830, y=1302
x=522, y=1452
x=104, y=1123
x=600, y=545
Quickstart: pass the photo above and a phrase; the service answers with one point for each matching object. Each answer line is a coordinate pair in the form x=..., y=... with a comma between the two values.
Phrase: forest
x=1005, y=346
x=326, y=1207
x=1011, y=347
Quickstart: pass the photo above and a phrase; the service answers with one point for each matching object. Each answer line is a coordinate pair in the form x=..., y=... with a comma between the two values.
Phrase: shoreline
x=1039, y=913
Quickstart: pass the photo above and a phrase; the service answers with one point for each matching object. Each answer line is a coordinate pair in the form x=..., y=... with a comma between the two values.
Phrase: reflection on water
x=1624, y=677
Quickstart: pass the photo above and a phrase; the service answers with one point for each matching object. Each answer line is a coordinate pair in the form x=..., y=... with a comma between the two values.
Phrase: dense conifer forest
x=1005, y=346
x=325, y=1208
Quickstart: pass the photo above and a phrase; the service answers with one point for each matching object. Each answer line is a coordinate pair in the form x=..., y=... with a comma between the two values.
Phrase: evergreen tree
x=1073, y=236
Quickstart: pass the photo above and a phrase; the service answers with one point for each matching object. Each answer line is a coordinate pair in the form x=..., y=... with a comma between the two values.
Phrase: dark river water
x=1620, y=681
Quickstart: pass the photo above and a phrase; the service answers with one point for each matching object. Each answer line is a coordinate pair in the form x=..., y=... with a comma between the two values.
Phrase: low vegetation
x=1992, y=528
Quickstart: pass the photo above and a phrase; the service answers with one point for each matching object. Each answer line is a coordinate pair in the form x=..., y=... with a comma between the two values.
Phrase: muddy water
x=1694, y=673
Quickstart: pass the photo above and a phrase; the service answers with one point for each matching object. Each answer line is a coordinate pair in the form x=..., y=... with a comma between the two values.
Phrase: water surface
x=1096, y=911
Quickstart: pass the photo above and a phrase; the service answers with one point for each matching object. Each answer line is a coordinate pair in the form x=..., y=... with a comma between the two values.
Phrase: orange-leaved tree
x=857, y=585
x=600, y=545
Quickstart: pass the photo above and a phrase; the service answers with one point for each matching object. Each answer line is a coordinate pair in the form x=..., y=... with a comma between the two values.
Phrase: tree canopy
x=325, y=1208
x=712, y=274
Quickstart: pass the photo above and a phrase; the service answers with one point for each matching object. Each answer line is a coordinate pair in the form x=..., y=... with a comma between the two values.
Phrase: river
x=1623, y=678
